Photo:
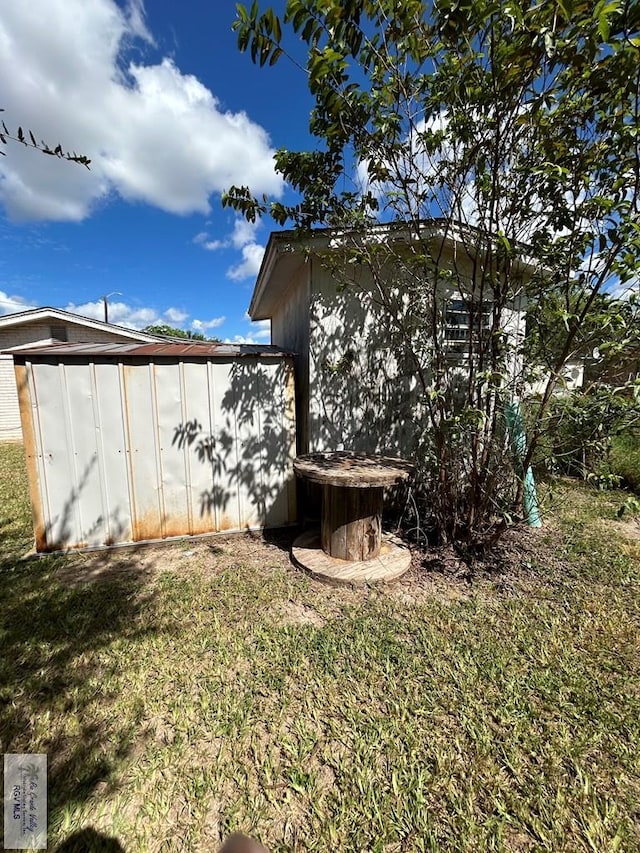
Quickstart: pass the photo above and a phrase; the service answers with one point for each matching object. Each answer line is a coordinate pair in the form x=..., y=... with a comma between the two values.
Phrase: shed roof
x=149, y=350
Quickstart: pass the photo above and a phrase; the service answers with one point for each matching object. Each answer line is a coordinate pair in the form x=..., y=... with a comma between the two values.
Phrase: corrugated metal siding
x=9, y=412
x=129, y=450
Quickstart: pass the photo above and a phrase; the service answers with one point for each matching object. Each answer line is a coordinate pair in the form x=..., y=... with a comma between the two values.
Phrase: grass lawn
x=188, y=690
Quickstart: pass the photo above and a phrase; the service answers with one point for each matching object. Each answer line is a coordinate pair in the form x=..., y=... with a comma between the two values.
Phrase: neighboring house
x=351, y=391
x=571, y=379
x=615, y=371
x=45, y=326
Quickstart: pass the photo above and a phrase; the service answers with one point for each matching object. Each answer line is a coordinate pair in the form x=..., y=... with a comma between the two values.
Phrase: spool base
x=391, y=563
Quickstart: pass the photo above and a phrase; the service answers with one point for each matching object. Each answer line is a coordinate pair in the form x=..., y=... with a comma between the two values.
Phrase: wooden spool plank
x=351, y=522
x=358, y=470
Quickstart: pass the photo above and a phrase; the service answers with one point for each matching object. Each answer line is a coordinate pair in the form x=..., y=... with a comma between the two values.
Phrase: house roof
x=288, y=251
x=8, y=321
x=148, y=350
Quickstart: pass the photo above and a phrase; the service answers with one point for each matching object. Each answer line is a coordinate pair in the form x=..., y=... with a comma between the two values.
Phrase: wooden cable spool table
x=351, y=546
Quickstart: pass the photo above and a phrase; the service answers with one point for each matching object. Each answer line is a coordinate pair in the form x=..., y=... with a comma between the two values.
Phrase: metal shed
x=136, y=442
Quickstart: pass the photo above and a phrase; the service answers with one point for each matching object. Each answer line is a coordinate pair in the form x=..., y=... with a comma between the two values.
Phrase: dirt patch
x=299, y=613
x=200, y=556
x=626, y=529
x=524, y=559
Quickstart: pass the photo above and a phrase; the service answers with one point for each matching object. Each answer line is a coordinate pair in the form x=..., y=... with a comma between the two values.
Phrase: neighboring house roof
x=33, y=315
x=286, y=252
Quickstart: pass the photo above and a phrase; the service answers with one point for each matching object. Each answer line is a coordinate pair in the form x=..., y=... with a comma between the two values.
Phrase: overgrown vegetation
x=500, y=142
x=202, y=688
x=593, y=434
x=625, y=459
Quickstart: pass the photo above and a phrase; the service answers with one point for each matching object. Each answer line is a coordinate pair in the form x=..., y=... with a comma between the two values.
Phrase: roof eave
x=46, y=312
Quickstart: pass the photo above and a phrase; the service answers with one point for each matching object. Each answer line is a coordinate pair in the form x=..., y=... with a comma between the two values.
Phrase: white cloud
x=242, y=237
x=202, y=239
x=120, y=313
x=137, y=23
x=12, y=304
x=176, y=315
x=132, y=316
x=153, y=134
x=205, y=325
x=252, y=255
x=243, y=232
x=259, y=333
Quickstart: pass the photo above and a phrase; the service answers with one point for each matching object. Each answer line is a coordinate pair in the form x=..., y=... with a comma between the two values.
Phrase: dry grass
x=185, y=691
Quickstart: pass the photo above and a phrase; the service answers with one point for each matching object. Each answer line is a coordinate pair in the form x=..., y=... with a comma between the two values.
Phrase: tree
x=172, y=332
x=29, y=141
x=512, y=123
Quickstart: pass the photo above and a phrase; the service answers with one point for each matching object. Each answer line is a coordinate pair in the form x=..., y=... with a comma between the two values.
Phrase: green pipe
x=515, y=426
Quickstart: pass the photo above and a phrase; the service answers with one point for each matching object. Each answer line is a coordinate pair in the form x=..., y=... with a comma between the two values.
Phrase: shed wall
x=32, y=333
x=126, y=451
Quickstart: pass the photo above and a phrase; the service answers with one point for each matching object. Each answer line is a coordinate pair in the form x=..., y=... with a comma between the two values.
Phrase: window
x=460, y=315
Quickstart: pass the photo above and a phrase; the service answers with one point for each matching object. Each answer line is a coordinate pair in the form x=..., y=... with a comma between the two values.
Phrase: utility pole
x=106, y=304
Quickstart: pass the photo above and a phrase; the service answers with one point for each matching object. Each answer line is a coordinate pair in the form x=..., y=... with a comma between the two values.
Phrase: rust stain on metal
x=226, y=524
x=147, y=526
x=41, y=539
x=203, y=524
x=175, y=525
x=168, y=350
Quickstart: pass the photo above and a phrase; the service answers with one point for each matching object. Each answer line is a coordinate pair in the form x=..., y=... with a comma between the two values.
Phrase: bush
x=624, y=459
x=581, y=431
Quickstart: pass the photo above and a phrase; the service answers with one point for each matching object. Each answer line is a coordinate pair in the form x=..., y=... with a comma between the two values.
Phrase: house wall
x=290, y=330
x=360, y=396
x=35, y=332
x=9, y=411
x=31, y=333
x=128, y=450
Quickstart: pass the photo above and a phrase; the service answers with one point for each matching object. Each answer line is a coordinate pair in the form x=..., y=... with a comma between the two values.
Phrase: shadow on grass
x=89, y=841
x=61, y=644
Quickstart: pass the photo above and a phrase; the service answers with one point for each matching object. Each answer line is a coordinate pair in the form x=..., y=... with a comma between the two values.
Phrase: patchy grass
x=195, y=689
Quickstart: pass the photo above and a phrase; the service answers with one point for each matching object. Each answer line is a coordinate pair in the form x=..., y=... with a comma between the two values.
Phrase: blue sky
x=170, y=114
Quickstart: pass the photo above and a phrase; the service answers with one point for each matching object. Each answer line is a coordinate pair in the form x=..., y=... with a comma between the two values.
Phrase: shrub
x=581, y=430
x=624, y=458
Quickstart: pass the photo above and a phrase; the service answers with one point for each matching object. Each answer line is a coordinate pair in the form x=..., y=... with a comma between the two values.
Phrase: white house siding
x=290, y=330
x=9, y=411
x=360, y=397
x=130, y=450
x=32, y=333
